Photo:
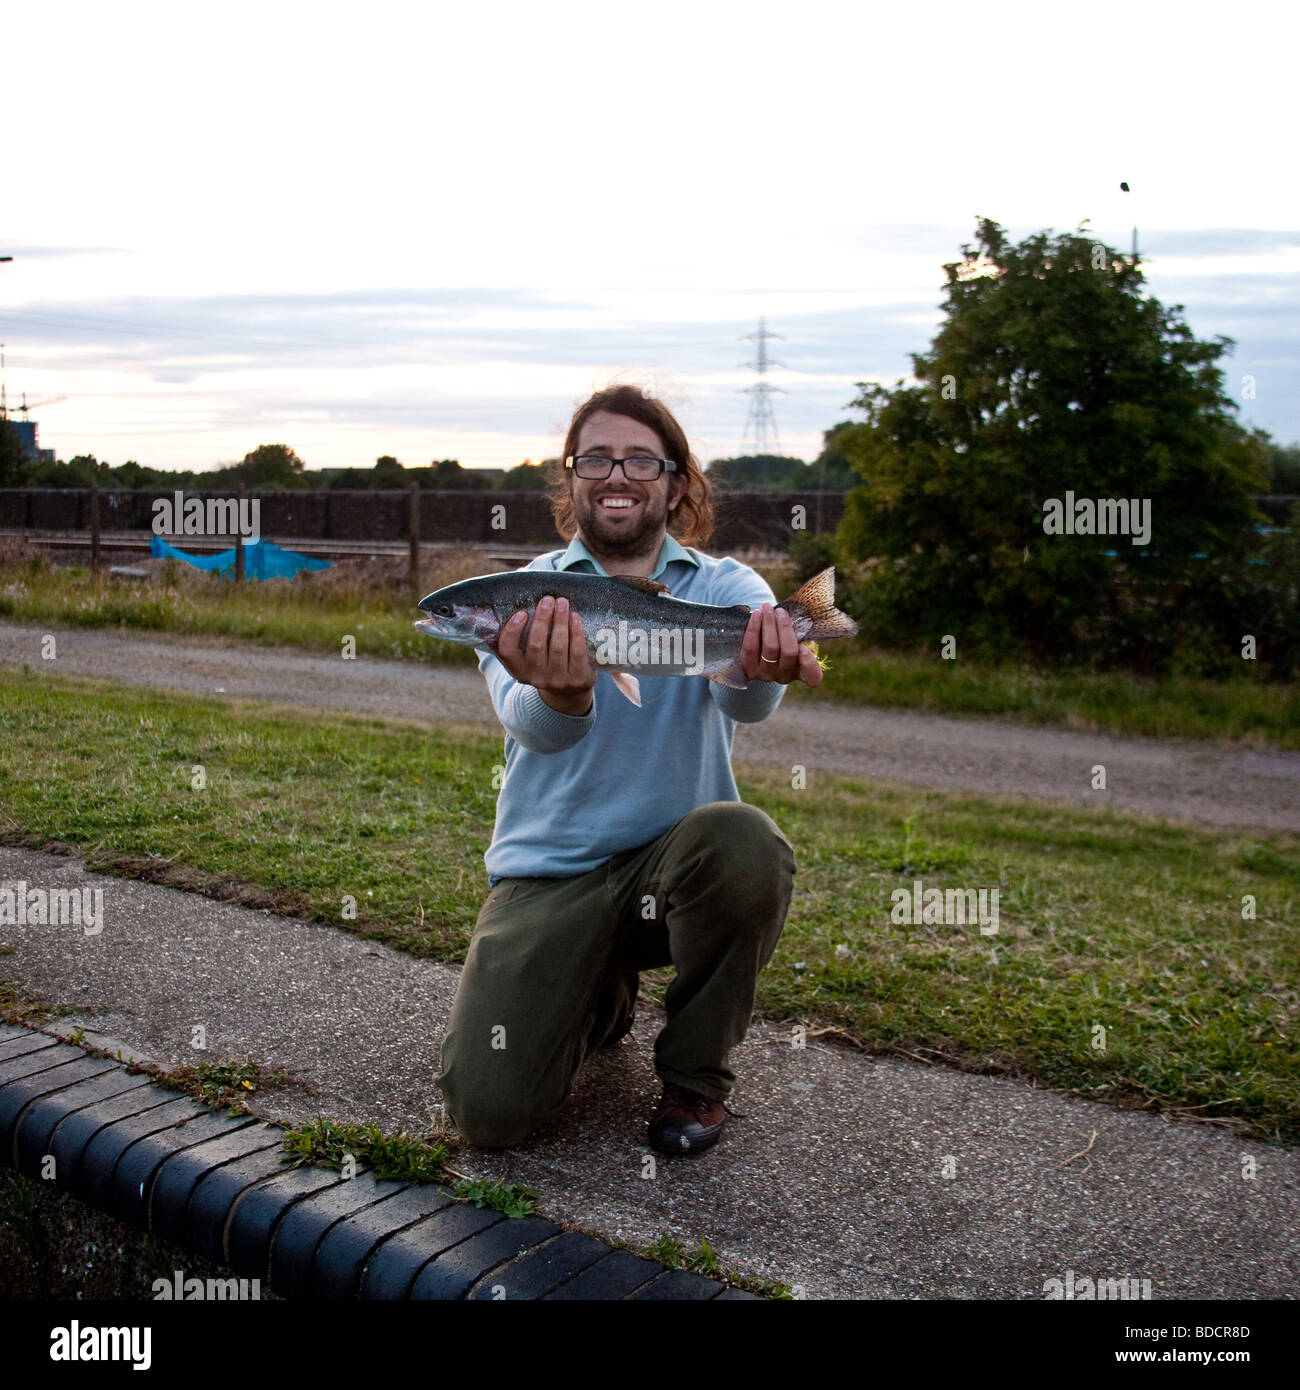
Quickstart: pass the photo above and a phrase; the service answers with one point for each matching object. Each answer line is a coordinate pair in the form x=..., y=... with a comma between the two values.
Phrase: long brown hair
x=691, y=521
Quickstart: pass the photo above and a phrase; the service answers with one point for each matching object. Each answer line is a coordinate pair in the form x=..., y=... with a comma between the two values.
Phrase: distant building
x=28, y=437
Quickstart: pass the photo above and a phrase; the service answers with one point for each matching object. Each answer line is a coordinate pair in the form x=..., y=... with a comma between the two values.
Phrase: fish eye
x=445, y=609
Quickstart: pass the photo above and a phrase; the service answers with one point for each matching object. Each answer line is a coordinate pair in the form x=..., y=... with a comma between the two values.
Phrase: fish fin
x=732, y=674
x=629, y=685
x=816, y=600
x=636, y=581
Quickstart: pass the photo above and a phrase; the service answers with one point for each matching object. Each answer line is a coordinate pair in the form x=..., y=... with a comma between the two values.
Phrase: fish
x=634, y=626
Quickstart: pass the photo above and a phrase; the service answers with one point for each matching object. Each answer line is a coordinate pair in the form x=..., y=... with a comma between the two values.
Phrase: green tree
x=81, y=471
x=14, y=464
x=832, y=469
x=1053, y=373
x=268, y=467
x=448, y=474
x=388, y=473
x=758, y=472
x=350, y=478
x=524, y=477
x=1284, y=469
x=168, y=479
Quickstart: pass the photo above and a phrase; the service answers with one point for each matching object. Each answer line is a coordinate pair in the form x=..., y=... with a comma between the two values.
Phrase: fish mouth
x=441, y=627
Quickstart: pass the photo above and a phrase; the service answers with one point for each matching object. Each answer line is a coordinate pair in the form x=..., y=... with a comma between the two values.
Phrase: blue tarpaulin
x=262, y=559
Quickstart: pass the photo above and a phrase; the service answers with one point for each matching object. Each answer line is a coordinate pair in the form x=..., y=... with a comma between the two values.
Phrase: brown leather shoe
x=686, y=1121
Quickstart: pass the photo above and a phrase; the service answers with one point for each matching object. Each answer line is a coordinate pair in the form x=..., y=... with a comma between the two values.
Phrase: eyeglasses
x=639, y=470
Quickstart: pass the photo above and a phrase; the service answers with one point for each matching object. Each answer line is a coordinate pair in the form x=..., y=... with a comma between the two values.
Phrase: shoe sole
x=672, y=1148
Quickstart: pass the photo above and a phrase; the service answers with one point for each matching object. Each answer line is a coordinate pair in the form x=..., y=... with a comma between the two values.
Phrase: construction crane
x=4, y=403
x=36, y=405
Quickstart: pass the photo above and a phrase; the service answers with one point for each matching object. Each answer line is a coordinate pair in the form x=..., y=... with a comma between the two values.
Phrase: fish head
x=460, y=614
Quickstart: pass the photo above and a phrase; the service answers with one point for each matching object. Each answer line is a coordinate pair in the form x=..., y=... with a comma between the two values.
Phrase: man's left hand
x=771, y=652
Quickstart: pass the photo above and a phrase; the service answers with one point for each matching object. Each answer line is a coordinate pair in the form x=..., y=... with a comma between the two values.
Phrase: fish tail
x=815, y=602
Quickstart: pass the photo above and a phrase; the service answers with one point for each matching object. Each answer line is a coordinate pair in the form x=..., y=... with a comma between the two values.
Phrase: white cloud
x=287, y=217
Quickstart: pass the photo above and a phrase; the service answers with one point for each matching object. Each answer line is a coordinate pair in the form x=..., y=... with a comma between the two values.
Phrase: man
x=621, y=842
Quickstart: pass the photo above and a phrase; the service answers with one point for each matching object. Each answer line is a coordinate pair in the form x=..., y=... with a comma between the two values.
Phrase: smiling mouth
x=617, y=504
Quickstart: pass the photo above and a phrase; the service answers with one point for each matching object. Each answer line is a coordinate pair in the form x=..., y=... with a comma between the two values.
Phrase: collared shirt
x=579, y=789
x=578, y=555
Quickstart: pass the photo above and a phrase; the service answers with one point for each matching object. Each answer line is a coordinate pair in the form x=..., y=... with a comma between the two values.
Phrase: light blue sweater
x=580, y=789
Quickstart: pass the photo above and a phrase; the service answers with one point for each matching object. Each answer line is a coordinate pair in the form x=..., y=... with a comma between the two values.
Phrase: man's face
x=617, y=516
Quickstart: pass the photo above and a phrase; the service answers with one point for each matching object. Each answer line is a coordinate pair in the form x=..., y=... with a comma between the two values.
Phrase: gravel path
x=1178, y=778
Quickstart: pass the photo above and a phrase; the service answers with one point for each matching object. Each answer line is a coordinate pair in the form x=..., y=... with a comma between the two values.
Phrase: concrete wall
x=744, y=519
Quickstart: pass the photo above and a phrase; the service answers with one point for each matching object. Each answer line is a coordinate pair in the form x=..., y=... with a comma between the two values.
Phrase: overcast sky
x=430, y=230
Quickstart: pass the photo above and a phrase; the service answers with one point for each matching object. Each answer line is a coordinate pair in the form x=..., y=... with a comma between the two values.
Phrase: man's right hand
x=555, y=659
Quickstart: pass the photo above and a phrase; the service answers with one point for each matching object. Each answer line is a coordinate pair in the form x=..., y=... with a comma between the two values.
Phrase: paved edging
x=214, y=1185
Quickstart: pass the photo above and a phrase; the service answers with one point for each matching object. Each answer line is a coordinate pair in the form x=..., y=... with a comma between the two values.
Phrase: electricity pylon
x=761, y=422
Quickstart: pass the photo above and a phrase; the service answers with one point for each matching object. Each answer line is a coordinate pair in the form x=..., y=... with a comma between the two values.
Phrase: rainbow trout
x=634, y=626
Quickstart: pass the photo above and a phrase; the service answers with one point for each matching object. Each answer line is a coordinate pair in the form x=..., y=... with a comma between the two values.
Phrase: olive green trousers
x=552, y=968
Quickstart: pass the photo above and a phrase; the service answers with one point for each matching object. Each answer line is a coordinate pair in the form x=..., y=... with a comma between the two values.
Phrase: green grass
x=512, y=1198
x=403, y=1157
x=317, y=611
x=406, y=1157
x=424, y=1158
x=1107, y=920
x=313, y=611
x=19, y=1005
x=320, y=816
x=1244, y=710
x=670, y=1251
x=220, y=1085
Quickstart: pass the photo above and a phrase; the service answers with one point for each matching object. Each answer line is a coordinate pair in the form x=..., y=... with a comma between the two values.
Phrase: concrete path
x=853, y=1176
x=1179, y=778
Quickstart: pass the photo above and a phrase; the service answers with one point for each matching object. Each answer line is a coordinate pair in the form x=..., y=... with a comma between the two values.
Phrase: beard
x=613, y=535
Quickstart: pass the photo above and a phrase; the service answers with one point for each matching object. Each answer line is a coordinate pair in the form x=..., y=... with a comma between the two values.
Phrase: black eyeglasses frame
x=573, y=460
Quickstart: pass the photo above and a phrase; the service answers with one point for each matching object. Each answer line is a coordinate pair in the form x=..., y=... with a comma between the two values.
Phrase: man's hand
x=555, y=659
x=771, y=634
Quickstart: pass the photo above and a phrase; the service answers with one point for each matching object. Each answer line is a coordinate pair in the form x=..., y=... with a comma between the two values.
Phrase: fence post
x=94, y=528
x=414, y=567
x=239, y=537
